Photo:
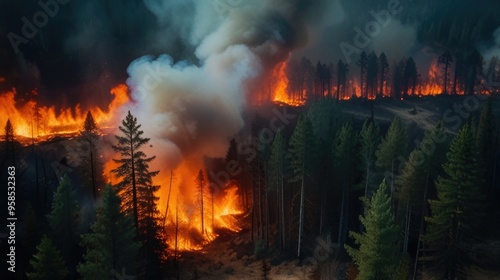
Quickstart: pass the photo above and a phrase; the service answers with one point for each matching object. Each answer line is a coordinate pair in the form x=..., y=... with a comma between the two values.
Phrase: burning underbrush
x=189, y=230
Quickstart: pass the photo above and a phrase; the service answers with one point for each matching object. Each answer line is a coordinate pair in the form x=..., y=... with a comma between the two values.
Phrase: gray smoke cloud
x=339, y=27
x=493, y=50
x=192, y=110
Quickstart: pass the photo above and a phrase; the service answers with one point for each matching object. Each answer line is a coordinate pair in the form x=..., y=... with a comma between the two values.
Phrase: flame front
x=33, y=121
x=180, y=205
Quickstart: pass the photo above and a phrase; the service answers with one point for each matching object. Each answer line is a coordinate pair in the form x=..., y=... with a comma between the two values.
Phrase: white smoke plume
x=191, y=111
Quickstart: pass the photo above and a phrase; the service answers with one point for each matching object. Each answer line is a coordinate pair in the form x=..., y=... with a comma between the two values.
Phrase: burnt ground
x=231, y=256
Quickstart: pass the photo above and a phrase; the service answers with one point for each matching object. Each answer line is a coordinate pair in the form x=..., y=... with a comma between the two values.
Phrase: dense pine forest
x=326, y=189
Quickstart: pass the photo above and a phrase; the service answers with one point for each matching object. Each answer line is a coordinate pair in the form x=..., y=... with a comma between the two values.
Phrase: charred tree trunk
x=277, y=216
x=201, y=211
x=253, y=209
x=282, y=212
x=342, y=215
x=134, y=189
x=176, y=231
x=407, y=225
x=168, y=199
x=301, y=216
x=267, y=218
x=212, y=195
x=92, y=172
x=259, y=189
x=422, y=225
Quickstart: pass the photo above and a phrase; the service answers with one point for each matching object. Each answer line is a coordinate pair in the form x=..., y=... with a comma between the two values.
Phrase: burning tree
x=363, y=64
x=371, y=75
x=342, y=72
x=410, y=76
x=384, y=69
x=138, y=193
x=89, y=149
x=200, y=183
x=133, y=167
x=9, y=142
x=445, y=60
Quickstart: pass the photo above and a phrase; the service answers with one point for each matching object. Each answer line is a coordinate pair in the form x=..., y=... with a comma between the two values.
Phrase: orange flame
x=184, y=208
x=34, y=121
x=182, y=196
x=434, y=85
x=280, y=84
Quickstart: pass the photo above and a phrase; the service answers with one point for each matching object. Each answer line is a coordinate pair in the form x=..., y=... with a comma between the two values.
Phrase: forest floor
x=231, y=256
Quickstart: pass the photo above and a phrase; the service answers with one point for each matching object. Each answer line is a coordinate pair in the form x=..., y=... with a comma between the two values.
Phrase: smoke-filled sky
x=194, y=107
x=85, y=47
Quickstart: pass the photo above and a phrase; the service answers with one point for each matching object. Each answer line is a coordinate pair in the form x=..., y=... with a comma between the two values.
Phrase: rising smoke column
x=192, y=110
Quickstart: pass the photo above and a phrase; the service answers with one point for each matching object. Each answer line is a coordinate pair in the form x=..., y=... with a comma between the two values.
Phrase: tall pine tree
x=377, y=256
x=138, y=194
x=301, y=157
x=133, y=166
x=110, y=247
x=417, y=177
x=10, y=145
x=456, y=212
x=393, y=145
x=47, y=263
x=64, y=221
x=370, y=140
x=345, y=155
x=89, y=148
x=276, y=181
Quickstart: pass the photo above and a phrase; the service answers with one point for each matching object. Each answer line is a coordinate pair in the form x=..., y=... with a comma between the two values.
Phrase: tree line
x=374, y=76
